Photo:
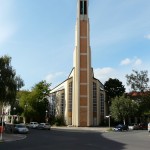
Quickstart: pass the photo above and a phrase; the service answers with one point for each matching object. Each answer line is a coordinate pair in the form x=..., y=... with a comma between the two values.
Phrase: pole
x=1, y=137
x=109, y=121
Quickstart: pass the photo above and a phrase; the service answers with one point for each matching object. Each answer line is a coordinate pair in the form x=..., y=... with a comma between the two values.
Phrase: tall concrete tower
x=82, y=65
x=80, y=99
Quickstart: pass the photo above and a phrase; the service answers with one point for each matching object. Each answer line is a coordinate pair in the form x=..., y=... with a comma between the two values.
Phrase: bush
x=59, y=121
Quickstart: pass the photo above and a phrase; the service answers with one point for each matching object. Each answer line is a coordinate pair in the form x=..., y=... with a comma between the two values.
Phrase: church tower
x=82, y=68
x=80, y=99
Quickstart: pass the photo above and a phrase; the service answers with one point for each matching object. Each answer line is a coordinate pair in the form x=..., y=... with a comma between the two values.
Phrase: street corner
x=12, y=137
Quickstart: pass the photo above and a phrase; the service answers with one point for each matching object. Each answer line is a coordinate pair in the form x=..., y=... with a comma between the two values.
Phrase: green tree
x=35, y=103
x=19, y=82
x=138, y=80
x=41, y=104
x=114, y=88
x=122, y=108
x=8, y=81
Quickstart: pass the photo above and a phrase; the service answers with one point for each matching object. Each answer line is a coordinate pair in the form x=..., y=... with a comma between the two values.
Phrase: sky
x=39, y=36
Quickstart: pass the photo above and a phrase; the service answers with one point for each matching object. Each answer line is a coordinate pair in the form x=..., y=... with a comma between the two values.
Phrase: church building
x=80, y=99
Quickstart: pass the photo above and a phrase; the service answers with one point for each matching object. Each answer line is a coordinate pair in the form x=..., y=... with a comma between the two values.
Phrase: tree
x=113, y=88
x=122, y=108
x=42, y=89
x=19, y=82
x=41, y=104
x=138, y=80
x=35, y=103
x=8, y=82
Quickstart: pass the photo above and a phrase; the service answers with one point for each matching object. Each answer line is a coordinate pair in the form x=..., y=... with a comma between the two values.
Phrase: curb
x=12, y=137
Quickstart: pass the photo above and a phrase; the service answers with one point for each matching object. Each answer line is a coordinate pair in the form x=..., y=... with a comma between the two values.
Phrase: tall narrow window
x=85, y=7
x=62, y=103
x=94, y=97
x=102, y=103
x=70, y=98
x=81, y=7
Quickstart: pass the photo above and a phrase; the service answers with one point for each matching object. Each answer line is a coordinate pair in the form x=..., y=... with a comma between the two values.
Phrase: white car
x=44, y=126
x=33, y=125
x=20, y=128
x=133, y=126
x=149, y=127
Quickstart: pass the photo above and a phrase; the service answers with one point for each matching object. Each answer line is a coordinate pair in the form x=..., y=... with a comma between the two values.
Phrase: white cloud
x=134, y=62
x=147, y=36
x=137, y=62
x=103, y=74
x=126, y=61
x=55, y=78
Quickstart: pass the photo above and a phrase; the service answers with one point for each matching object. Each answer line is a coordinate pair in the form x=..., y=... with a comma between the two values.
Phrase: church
x=80, y=99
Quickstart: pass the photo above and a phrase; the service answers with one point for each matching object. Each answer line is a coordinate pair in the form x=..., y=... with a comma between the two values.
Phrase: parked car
x=148, y=127
x=20, y=128
x=46, y=126
x=121, y=127
x=143, y=126
x=133, y=126
x=32, y=125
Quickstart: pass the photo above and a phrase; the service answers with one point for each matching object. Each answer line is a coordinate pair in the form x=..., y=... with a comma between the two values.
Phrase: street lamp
x=109, y=119
x=1, y=137
x=14, y=109
x=25, y=109
x=46, y=116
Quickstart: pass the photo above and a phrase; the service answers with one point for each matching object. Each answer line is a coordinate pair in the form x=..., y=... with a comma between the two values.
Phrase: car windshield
x=42, y=123
x=47, y=124
x=120, y=125
x=20, y=126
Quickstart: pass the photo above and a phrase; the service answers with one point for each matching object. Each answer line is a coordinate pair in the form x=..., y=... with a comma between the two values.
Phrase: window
x=83, y=7
x=102, y=103
x=62, y=103
x=70, y=98
x=94, y=97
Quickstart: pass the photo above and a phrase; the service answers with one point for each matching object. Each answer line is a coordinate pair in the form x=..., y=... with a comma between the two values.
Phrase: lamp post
x=108, y=119
x=46, y=116
x=1, y=137
x=14, y=109
x=25, y=107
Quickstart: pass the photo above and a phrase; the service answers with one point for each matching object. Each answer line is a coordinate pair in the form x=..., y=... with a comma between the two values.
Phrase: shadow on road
x=63, y=140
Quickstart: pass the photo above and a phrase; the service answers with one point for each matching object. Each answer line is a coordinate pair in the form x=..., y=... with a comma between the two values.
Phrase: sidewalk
x=12, y=137
x=96, y=129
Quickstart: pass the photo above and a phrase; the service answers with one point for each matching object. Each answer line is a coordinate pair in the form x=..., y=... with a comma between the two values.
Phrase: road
x=80, y=140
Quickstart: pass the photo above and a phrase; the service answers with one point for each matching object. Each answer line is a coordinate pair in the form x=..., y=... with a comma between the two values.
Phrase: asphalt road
x=80, y=140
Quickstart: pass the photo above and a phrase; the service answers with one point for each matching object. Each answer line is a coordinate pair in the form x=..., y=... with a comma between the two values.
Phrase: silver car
x=32, y=125
x=20, y=128
x=46, y=126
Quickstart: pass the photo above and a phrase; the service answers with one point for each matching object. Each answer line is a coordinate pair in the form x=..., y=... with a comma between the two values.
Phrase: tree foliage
x=35, y=103
x=114, y=88
x=8, y=81
x=138, y=80
x=122, y=108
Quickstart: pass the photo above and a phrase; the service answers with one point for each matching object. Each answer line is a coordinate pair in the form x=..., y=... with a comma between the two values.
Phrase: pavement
x=8, y=137
x=97, y=129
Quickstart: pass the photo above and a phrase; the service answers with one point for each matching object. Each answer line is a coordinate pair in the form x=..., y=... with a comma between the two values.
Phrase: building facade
x=80, y=99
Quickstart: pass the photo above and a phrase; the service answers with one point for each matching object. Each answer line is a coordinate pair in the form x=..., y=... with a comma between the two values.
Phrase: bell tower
x=82, y=87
